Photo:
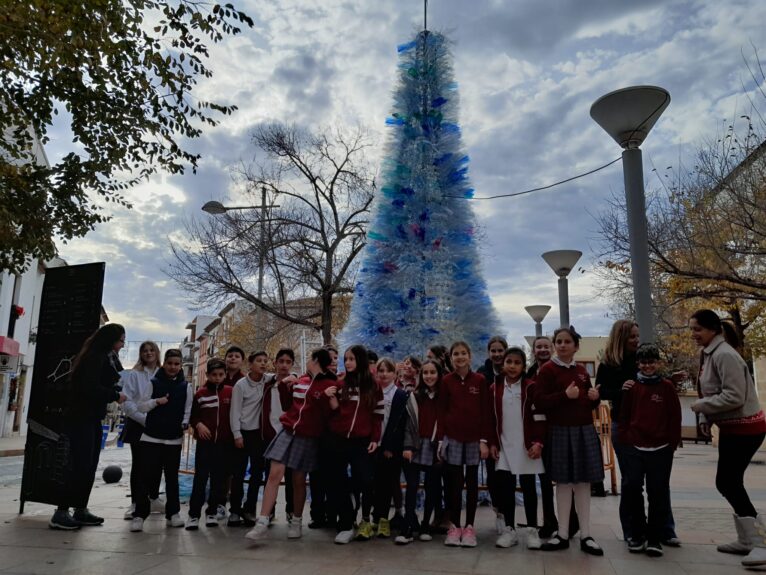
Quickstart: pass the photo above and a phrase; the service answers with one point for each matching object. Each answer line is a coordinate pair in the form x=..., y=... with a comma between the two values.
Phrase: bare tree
x=306, y=246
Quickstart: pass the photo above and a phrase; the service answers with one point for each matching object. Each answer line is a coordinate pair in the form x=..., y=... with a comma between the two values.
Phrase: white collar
x=557, y=361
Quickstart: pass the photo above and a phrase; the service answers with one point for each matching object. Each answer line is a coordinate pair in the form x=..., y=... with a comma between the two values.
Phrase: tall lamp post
x=217, y=208
x=538, y=313
x=628, y=115
x=562, y=262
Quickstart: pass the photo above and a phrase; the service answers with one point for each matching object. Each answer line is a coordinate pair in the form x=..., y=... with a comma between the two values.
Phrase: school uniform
x=276, y=399
x=388, y=469
x=213, y=456
x=649, y=430
x=464, y=413
x=518, y=425
x=295, y=445
x=573, y=450
x=162, y=439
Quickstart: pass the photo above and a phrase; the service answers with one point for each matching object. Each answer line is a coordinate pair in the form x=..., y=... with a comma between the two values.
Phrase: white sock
x=564, y=505
x=582, y=502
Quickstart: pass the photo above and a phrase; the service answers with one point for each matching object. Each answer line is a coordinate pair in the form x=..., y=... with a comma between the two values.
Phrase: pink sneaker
x=453, y=537
x=469, y=537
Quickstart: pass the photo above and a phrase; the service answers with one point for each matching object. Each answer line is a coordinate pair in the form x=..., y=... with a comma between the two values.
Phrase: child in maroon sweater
x=650, y=429
x=464, y=414
x=573, y=452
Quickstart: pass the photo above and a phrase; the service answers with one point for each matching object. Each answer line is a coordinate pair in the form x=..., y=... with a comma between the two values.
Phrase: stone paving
x=28, y=546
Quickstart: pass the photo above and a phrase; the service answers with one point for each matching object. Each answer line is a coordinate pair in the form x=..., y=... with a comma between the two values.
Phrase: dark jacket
x=611, y=378
x=488, y=371
x=211, y=407
x=393, y=434
x=93, y=387
x=166, y=421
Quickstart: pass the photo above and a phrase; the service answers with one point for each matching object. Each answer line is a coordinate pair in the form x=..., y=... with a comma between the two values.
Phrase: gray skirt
x=457, y=453
x=426, y=455
x=573, y=454
x=295, y=452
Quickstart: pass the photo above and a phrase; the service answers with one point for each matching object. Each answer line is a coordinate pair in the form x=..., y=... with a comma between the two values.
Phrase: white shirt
x=247, y=405
x=513, y=452
x=137, y=386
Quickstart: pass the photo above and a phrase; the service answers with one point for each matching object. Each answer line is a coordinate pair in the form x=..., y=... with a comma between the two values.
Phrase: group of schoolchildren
x=355, y=433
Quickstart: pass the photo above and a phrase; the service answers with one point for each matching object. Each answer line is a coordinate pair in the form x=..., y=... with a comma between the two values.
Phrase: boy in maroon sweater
x=215, y=444
x=650, y=428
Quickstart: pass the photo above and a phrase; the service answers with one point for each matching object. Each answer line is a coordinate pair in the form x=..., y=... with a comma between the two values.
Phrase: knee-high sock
x=582, y=502
x=564, y=504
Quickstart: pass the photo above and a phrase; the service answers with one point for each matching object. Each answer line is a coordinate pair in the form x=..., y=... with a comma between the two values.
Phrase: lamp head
x=562, y=261
x=538, y=312
x=629, y=114
x=214, y=208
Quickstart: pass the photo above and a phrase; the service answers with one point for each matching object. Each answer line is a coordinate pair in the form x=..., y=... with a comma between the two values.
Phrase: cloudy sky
x=528, y=72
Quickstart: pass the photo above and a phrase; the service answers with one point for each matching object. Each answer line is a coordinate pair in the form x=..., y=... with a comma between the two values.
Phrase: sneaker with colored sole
x=365, y=531
x=384, y=528
x=453, y=537
x=468, y=537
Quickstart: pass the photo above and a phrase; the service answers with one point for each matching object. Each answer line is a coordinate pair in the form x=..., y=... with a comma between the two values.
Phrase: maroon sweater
x=428, y=418
x=551, y=397
x=650, y=415
x=533, y=419
x=310, y=407
x=211, y=407
x=285, y=399
x=354, y=418
x=464, y=407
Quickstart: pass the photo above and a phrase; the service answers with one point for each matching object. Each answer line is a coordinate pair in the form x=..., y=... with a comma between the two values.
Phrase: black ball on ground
x=112, y=474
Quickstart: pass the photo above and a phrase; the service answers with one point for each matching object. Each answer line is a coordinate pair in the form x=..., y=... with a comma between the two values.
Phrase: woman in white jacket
x=137, y=386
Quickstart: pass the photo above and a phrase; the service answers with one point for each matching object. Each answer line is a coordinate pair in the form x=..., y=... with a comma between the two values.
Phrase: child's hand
x=573, y=392
x=628, y=385
x=331, y=391
x=536, y=451
x=388, y=454
x=239, y=443
x=679, y=376
x=290, y=380
x=483, y=450
x=372, y=447
x=439, y=453
x=593, y=393
x=162, y=400
x=203, y=431
x=407, y=455
x=494, y=452
x=123, y=398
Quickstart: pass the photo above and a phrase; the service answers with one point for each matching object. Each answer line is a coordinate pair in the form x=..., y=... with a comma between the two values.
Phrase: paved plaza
x=28, y=546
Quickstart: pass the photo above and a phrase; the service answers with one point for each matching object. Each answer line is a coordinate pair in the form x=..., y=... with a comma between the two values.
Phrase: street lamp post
x=538, y=313
x=562, y=262
x=628, y=116
x=216, y=209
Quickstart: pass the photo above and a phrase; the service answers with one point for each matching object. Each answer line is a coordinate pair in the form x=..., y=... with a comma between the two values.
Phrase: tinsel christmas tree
x=420, y=281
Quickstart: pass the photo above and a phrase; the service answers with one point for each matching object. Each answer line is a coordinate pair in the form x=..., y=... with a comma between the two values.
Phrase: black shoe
x=64, y=521
x=405, y=536
x=317, y=524
x=589, y=546
x=397, y=523
x=654, y=549
x=597, y=489
x=86, y=518
x=556, y=543
x=547, y=531
x=636, y=545
x=672, y=542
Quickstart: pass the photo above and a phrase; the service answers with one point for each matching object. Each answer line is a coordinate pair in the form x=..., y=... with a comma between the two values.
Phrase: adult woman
x=618, y=367
x=728, y=399
x=95, y=371
x=137, y=386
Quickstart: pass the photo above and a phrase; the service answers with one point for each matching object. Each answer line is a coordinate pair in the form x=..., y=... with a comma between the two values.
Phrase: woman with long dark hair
x=95, y=372
x=728, y=399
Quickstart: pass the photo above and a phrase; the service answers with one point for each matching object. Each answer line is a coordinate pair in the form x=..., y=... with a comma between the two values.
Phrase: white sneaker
x=192, y=524
x=220, y=513
x=344, y=537
x=129, y=513
x=260, y=529
x=137, y=525
x=425, y=537
x=294, y=528
x=158, y=505
x=175, y=521
x=509, y=538
x=500, y=524
x=211, y=521
x=533, y=539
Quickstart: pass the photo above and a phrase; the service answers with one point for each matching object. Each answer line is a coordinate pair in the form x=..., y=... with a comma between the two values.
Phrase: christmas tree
x=420, y=281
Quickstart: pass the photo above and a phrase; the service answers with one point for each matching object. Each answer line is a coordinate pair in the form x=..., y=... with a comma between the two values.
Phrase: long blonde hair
x=617, y=340
x=140, y=364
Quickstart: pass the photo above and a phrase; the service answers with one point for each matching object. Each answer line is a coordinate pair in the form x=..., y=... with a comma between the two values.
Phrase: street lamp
x=628, y=115
x=538, y=313
x=562, y=262
x=217, y=209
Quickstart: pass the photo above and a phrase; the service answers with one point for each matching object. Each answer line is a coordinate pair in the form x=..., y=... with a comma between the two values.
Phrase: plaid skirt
x=426, y=455
x=573, y=454
x=299, y=453
x=457, y=453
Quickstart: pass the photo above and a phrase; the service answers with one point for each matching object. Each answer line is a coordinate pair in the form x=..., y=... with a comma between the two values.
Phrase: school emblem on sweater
x=657, y=398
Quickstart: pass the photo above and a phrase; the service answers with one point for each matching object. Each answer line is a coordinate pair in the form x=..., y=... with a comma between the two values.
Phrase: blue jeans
x=652, y=468
x=669, y=527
